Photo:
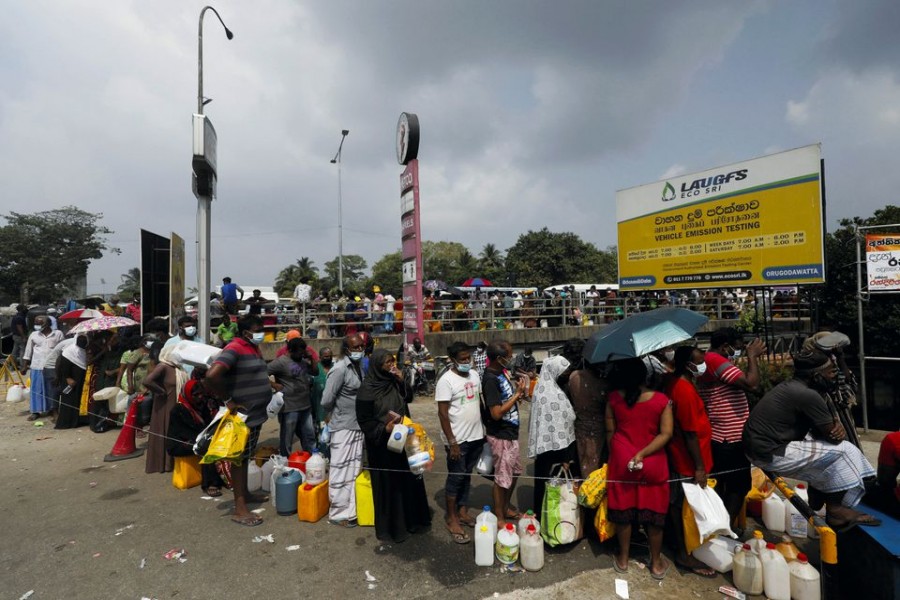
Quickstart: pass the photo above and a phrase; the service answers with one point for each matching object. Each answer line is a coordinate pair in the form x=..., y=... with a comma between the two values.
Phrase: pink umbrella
x=81, y=314
x=102, y=324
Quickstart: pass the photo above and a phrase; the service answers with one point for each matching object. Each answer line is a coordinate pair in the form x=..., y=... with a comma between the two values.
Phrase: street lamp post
x=204, y=181
x=337, y=159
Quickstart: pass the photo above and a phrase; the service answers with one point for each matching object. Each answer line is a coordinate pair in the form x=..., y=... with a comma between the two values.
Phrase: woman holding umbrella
x=638, y=427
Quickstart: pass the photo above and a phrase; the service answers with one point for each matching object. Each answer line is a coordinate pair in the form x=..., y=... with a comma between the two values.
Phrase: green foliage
x=451, y=262
x=543, y=259
x=837, y=301
x=131, y=284
x=354, y=273
x=43, y=254
x=388, y=274
x=491, y=264
x=290, y=276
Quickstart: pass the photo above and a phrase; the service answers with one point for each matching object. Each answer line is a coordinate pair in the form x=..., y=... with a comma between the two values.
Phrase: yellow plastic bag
x=426, y=442
x=593, y=488
x=692, y=539
x=606, y=530
x=365, y=503
x=229, y=441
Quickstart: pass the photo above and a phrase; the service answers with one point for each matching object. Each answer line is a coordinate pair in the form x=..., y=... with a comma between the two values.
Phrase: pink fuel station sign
x=410, y=231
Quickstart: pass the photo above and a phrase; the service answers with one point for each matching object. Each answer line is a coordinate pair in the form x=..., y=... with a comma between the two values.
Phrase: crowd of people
x=678, y=414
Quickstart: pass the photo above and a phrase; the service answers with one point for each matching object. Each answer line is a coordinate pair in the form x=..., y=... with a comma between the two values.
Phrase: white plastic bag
x=709, y=511
x=485, y=464
x=201, y=445
x=275, y=405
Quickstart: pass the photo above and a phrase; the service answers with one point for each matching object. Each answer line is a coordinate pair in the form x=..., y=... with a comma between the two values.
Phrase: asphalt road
x=75, y=527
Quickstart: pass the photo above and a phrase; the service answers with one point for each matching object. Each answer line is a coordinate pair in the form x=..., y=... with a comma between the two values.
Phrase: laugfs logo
x=406, y=181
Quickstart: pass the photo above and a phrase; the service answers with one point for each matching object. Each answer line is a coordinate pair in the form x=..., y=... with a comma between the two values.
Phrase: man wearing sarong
x=791, y=432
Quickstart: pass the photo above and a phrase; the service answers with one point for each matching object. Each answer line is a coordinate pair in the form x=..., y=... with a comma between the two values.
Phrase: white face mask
x=464, y=368
x=737, y=354
x=669, y=354
x=356, y=356
x=700, y=369
x=38, y=327
x=190, y=331
x=258, y=338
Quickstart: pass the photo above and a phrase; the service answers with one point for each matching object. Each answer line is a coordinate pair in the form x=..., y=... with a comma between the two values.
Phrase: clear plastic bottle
x=528, y=519
x=507, y=546
x=418, y=458
x=748, y=571
x=316, y=471
x=531, y=549
x=805, y=580
x=776, y=575
x=758, y=543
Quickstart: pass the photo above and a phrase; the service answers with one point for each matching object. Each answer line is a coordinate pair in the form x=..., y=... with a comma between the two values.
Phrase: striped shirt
x=726, y=403
x=247, y=380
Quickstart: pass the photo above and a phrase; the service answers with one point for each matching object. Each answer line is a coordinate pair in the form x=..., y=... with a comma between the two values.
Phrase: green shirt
x=315, y=395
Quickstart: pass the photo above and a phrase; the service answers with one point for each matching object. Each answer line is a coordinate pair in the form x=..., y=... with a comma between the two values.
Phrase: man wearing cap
x=113, y=307
x=791, y=432
x=294, y=334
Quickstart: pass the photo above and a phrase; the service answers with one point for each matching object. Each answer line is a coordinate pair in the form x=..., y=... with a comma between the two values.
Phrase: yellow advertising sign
x=748, y=224
x=176, y=280
x=883, y=261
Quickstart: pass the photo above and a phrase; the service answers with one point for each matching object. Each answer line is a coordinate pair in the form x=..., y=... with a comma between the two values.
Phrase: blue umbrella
x=643, y=333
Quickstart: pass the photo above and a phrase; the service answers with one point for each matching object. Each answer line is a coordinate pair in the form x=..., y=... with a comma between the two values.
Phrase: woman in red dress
x=638, y=427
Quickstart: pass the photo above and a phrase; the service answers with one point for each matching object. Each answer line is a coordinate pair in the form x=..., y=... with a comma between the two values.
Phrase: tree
x=491, y=264
x=131, y=284
x=837, y=299
x=450, y=262
x=354, y=272
x=543, y=259
x=45, y=253
x=290, y=276
x=387, y=273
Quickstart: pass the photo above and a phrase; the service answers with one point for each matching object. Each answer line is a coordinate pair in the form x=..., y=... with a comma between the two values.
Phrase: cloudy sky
x=533, y=113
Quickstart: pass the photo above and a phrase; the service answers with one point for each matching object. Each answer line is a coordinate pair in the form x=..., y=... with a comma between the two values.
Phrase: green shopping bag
x=560, y=515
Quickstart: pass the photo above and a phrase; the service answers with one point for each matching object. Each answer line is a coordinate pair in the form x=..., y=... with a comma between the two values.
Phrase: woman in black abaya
x=401, y=505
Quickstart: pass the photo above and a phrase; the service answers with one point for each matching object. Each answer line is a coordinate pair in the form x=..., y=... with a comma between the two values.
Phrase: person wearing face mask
x=239, y=379
x=723, y=388
x=292, y=375
x=70, y=371
x=458, y=397
x=690, y=450
x=323, y=367
x=347, y=440
x=791, y=432
x=38, y=347
x=187, y=332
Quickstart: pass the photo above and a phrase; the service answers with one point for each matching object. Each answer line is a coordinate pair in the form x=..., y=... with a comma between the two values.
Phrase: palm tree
x=290, y=276
x=131, y=283
x=491, y=262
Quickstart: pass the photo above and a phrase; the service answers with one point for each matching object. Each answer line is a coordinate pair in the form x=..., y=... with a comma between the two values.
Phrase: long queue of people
x=678, y=414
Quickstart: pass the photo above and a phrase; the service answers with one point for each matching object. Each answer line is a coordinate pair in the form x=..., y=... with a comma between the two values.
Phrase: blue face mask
x=356, y=356
x=258, y=338
x=464, y=368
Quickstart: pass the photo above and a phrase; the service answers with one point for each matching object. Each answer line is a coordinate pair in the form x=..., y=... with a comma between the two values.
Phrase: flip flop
x=659, y=576
x=460, y=538
x=698, y=571
x=257, y=498
x=213, y=492
x=513, y=513
x=248, y=521
x=618, y=569
x=468, y=522
x=845, y=526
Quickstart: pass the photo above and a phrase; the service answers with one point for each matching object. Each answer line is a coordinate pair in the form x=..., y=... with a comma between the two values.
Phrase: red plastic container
x=298, y=459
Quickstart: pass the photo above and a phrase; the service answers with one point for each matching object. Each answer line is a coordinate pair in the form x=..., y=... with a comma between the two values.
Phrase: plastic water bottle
x=524, y=522
x=717, y=553
x=776, y=575
x=758, y=543
x=794, y=522
x=418, y=458
x=486, y=517
x=748, y=571
x=532, y=549
x=507, y=546
x=484, y=544
x=254, y=476
x=316, y=472
x=397, y=439
x=773, y=513
x=805, y=584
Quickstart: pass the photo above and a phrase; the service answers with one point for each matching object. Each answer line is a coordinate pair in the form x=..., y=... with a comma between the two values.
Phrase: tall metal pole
x=204, y=203
x=337, y=159
x=861, y=330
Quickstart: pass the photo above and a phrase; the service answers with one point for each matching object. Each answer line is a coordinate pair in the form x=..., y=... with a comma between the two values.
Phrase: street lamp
x=337, y=159
x=204, y=181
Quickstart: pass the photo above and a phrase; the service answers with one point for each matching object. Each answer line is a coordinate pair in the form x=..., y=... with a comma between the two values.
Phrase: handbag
x=561, y=521
x=703, y=515
x=229, y=440
x=201, y=444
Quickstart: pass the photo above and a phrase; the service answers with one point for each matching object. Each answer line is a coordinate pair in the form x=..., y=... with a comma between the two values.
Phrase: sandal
x=460, y=538
x=248, y=521
x=212, y=492
x=659, y=576
x=845, y=526
x=468, y=521
x=617, y=568
x=513, y=514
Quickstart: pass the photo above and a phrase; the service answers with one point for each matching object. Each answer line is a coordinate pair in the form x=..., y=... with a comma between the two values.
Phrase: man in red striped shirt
x=723, y=388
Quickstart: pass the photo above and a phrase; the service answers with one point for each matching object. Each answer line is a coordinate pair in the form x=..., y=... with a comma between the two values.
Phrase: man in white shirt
x=302, y=296
x=458, y=394
x=38, y=347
